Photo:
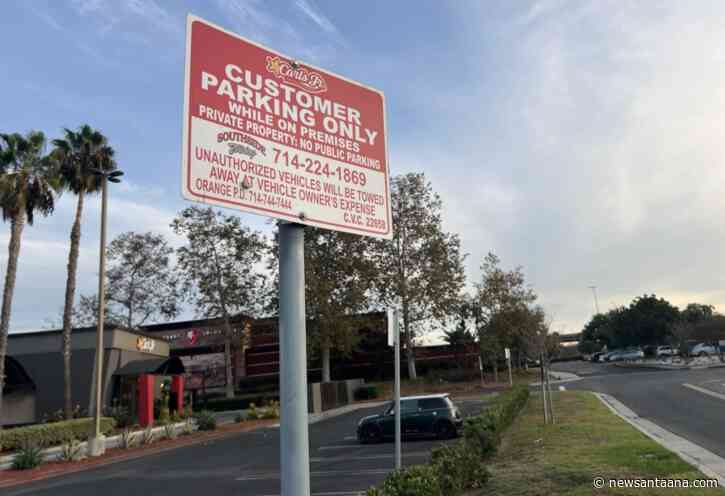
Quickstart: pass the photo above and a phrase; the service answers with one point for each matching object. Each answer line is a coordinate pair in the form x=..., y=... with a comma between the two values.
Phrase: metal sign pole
x=398, y=450
x=480, y=368
x=511, y=379
x=294, y=435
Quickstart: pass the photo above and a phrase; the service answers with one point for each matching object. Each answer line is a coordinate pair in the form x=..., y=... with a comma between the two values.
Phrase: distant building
x=39, y=354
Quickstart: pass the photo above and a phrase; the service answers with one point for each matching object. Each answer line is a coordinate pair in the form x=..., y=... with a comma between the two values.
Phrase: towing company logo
x=241, y=144
x=295, y=75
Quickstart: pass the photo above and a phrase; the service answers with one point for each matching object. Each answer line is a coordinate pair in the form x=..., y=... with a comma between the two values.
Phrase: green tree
x=141, y=280
x=503, y=311
x=77, y=154
x=648, y=320
x=219, y=269
x=596, y=334
x=338, y=278
x=696, y=312
x=27, y=186
x=421, y=268
x=461, y=337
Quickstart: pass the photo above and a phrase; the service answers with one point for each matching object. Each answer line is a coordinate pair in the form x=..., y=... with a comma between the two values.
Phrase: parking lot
x=248, y=464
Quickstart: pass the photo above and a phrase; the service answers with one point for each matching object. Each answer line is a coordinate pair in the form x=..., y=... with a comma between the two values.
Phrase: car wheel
x=445, y=430
x=371, y=434
x=702, y=354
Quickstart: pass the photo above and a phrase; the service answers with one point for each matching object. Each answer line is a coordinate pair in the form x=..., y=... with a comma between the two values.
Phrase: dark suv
x=431, y=415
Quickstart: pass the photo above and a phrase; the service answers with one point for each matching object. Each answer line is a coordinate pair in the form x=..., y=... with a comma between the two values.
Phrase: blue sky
x=581, y=140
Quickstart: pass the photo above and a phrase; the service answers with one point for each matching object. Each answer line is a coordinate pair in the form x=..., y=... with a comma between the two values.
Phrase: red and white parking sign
x=266, y=135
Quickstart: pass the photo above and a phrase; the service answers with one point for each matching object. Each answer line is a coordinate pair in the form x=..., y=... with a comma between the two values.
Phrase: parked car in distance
x=611, y=356
x=703, y=349
x=631, y=354
x=429, y=415
x=595, y=356
x=666, y=351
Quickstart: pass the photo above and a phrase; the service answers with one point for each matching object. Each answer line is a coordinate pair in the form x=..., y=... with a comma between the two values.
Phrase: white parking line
x=705, y=391
x=349, y=438
x=322, y=473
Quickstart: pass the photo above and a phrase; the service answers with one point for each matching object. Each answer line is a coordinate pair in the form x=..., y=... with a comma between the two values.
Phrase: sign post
x=507, y=351
x=294, y=445
x=480, y=367
x=269, y=135
x=394, y=340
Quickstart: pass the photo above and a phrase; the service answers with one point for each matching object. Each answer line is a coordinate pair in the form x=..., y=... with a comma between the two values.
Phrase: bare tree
x=142, y=283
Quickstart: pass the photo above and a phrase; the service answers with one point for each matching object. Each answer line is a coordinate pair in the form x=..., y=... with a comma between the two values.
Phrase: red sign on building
x=268, y=135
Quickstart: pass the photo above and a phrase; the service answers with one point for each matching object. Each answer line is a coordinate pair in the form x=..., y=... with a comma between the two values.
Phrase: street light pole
x=596, y=301
x=97, y=444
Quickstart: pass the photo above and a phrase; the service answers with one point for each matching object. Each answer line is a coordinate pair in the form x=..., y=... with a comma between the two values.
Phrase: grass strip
x=587, y=441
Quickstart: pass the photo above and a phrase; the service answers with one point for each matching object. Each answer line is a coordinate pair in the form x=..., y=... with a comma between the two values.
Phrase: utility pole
x=97, y=443
x=596, y=301
x=398, y=430
x=294, y=435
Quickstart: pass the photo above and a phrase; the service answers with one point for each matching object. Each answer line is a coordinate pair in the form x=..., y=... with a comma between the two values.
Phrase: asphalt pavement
x=247, y=464
x=665, y=397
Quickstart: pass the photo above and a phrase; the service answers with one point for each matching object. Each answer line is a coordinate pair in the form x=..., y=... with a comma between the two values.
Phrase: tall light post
x=596, y=302
x=97, y=443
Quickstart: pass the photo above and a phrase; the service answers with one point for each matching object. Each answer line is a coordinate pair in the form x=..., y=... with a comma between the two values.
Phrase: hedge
x=237, y=403
x=52, y=434
x=367, y=392
x=459, y=467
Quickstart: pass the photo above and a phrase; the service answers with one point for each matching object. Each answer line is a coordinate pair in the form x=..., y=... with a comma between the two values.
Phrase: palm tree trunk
x=70, y=290
x=16, y=232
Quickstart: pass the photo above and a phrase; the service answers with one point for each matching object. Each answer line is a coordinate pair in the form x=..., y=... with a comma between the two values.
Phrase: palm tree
x=76, y=155
x=27, y=186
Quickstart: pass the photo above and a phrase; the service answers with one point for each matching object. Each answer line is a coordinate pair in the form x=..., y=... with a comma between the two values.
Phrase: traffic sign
x=266, y=134
x=507, y=353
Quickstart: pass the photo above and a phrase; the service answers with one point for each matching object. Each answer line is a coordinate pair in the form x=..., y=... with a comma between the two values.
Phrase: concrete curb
x=318, y=417
x=706, y=461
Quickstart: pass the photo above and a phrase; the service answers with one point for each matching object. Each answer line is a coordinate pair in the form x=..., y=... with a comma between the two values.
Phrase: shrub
x=164, y=415
x=187, y=429
x=53, y=434
x=170, y=432
x=205, y=421
x=418, y=480
x=239, y=418
x=59, y=415
x=458, y=468
x=28, y=456
x=270, y=411
x=120, y=414
x=147, y=436
x=71, y=451
x=239, y=402
x=366, y=393
x=128, y=439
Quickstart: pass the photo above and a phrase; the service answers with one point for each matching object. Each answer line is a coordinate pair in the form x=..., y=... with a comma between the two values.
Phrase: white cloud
x=312, y=12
